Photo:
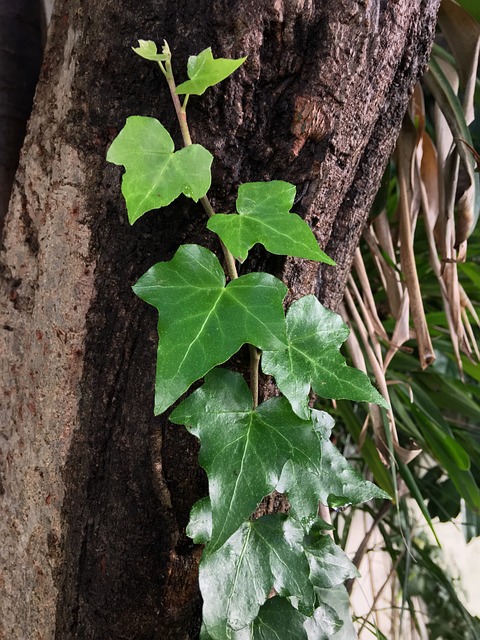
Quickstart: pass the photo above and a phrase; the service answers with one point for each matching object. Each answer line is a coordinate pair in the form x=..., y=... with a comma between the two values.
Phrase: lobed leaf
x=329, y=565
x=312, y=359
x=202, y=322
x=244, y=450
x=247, y=453
x=337, y=598
x=205, y=71
x=333, y=481
x=264, y=217
x=237, y=579
x=155, y=174
x=148, y=49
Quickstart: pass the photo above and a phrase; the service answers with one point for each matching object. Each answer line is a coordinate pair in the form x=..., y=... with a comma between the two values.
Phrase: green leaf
x=333, y=481
x=200, y=525
x=237, y=579
x=243, y=450
x=148, y=49
x=312, y=358
x=277, y=619
x=155, y=174
x=472, y=7
x=204, y=71
x=264, y=216
x=337, y=598
x=202, y=322
x=329, y=565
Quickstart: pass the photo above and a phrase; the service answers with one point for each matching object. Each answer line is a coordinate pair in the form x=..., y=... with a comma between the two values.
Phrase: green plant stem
x=180, y=110
x=254, y=368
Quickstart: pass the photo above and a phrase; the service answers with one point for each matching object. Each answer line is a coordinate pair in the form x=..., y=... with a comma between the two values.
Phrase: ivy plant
x=279, y=575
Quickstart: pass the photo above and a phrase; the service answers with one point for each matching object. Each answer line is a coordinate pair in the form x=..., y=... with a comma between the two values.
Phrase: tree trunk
x=95, y=491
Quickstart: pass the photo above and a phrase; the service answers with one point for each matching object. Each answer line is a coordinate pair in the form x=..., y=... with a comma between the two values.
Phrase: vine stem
x=181, y=111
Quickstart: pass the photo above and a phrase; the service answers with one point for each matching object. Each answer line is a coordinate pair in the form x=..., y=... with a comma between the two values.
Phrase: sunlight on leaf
x=202, y=322
x=264, y=217
x=155, y=174
x=205, y=71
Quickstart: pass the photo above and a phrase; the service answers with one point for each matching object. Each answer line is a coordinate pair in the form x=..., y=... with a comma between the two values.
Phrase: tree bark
x=95, y=491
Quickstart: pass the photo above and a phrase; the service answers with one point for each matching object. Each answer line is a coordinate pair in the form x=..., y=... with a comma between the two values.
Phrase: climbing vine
x=275, y=576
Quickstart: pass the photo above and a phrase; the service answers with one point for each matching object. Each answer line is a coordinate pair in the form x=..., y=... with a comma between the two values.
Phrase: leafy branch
x=277, y=573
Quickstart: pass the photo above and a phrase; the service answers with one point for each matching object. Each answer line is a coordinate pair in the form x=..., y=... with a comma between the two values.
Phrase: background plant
x=414, y=326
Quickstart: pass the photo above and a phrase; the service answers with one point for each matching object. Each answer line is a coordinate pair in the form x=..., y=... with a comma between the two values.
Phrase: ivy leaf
x=205, y=71
x=155, y=175
x=237, y=579
x=332, y=481
x=337, y=599
x=278, y=619
x=264, y=216
x=329, y=565
x=243, y=450
x=148, y=49
x=202, y=322
x=199, y=528
x=312, y=358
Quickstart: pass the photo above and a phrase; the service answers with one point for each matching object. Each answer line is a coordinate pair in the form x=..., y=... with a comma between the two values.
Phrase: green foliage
x=244, y=450
x=312, y=358
x=333, y=481
x=205, y=71
x=156, y=174
x=202, y=322
x=263, y=216
x=148, y=50
x=247, y=450
x=264, y=554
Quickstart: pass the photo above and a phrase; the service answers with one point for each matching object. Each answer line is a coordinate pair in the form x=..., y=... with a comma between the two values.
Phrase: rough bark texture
x=95, y=492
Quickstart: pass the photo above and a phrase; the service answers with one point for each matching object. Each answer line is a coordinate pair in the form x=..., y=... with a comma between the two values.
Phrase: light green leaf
x=333, y=480
x=264, y=217
x=312, y=359
x=237, y=579
x=202, y=322
x=155, y=174
x=148, y=49
x=205, y=71
x=243, y=450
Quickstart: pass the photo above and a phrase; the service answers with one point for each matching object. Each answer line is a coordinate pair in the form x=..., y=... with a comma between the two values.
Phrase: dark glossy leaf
x=329, y=565
x=264, y=217
x=244, y=450
x=337, y=598
x=202, y=322
x=237, y=579
x=333, y=481
x=155, y=174
x=200, y=525
x=205, y=71
x=277, y=619
x=312, y=359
